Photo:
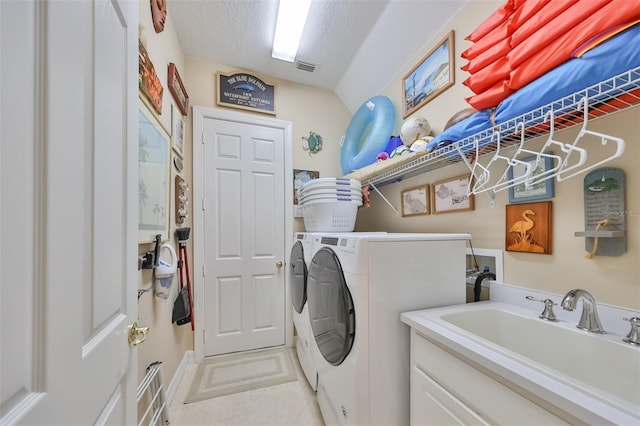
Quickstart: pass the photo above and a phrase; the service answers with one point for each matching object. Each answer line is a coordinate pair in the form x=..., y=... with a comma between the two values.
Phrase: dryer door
x=331, y=309
x=298, y=271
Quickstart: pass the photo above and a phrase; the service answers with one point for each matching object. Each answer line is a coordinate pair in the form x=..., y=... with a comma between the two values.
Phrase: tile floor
x=288, y=404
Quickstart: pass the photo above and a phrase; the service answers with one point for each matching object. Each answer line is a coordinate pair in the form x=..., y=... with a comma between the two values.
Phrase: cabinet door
x=431, y=404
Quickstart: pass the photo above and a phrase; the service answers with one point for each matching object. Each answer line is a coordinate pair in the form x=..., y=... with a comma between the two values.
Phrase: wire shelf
x=604, y=98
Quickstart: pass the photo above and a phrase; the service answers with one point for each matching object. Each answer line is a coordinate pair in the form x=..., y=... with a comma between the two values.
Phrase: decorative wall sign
x=245, y=91
x=148, y=81
x=434, y=74
x=450, y=195
x=528, y=227
x=177, y=89
x=604, y=212
x=415, y=201
x=300, y=177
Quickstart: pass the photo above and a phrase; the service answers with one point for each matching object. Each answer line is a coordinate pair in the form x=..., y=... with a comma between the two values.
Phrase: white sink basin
x=571, y=368
x=612, y=366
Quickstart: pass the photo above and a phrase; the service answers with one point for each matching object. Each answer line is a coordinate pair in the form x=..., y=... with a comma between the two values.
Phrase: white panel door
x=244, y=226
x=68, y=198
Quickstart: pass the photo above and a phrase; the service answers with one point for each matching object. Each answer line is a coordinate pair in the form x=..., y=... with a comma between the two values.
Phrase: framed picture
x=177, y=131
x=148, y=81
x=415, y=201
x=153, y=177
x=450, y=195
x=300, y=177
x=539, y=191
x=177, y=89
x=245, y=91
x=434, y=74
x=528, y=227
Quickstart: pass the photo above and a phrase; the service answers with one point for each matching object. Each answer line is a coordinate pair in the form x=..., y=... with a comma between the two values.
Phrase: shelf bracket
x=384, y=198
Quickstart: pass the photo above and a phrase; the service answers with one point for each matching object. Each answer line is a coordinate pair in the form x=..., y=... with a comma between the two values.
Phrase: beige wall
x=613, y=280
x=307, y=108
x=165, y=342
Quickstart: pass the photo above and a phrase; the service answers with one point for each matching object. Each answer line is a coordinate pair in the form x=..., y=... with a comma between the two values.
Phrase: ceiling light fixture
x=292, y=15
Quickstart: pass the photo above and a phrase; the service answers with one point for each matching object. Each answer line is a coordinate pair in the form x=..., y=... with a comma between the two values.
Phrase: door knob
x=279, y=264
x=137, y=334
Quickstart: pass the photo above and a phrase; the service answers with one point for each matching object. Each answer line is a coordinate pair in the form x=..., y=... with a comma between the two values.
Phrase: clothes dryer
x=299, y=260
x=357, y=287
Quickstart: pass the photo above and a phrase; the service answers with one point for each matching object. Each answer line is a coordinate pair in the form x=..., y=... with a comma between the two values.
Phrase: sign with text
x=245, y=91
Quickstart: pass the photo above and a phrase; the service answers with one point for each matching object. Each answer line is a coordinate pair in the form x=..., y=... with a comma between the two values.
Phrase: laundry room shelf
x=604, y=98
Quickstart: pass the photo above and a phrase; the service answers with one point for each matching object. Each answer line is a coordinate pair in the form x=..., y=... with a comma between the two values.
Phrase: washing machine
x=299, y=260
x=357, y=287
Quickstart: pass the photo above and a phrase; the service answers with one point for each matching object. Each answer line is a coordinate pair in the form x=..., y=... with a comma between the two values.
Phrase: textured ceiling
x=357, y=45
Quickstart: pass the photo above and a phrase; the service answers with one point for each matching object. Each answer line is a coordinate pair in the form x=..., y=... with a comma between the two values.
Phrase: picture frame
x=450, y=195
x=300, y=177
x=245, y=91
x=415, y=201
x=177, y=131
x=528, y=227
x=176, y=87
x=153, y=177
x=540, y=191
x=431, y=76
x=148, y=81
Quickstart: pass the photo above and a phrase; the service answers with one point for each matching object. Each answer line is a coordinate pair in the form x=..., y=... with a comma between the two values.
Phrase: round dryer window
x=298, y=277
x=331, y=308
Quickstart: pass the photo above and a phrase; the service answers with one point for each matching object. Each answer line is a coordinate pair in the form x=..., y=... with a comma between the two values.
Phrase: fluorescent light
x=292, y=15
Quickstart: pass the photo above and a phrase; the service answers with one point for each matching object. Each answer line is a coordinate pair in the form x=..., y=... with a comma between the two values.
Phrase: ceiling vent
x=306, y=66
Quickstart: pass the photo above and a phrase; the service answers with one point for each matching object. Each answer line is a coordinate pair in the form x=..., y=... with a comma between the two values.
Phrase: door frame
x=199, y=115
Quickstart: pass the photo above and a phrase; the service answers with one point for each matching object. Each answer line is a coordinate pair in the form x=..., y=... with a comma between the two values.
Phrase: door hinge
x=202, y=139
x=204, y=270
x=204, y=336
x=203, y=204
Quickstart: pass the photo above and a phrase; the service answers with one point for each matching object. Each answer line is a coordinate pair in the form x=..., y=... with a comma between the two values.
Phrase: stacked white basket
x=330, y=204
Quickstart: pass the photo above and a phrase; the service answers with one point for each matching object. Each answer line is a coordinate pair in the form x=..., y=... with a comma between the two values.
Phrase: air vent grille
x=306, y=66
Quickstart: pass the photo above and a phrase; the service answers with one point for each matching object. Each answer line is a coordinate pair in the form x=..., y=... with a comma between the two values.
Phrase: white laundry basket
x=330, y=215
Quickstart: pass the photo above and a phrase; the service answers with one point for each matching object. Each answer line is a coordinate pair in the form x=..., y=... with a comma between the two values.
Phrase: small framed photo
x=177, y=131
x=434, y=74
x=415, y=201
x=540, y=191
x=177, y=89
x=528, y=227
x=300, y=177
x=451, y=195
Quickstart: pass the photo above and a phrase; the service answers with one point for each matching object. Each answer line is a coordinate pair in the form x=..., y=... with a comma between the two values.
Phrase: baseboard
x=170, y=392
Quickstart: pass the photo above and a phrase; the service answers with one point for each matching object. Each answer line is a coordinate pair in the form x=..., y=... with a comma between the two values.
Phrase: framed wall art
x=528, y=227
x=434, y=74
x=148, y=81
x=153, y=177
x=177, y=131
x=415, y=201
x=450, y=195
x=245, y=91
x=177, y=89
x=539, y=191
x=300, y=177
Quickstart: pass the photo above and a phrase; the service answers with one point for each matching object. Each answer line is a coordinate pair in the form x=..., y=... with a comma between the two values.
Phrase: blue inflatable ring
x=379, y=112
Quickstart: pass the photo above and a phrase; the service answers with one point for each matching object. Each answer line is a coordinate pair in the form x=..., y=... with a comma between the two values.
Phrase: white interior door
x=68, y=198
x=243, y=283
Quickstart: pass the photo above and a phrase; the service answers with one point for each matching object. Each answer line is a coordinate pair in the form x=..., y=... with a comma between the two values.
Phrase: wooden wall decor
x=529, y=227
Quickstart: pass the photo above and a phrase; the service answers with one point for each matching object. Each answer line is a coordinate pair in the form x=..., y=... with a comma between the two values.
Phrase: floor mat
x=226, y=375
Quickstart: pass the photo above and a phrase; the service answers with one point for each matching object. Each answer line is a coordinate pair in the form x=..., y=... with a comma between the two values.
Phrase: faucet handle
x=547, y=314
x=634, y=334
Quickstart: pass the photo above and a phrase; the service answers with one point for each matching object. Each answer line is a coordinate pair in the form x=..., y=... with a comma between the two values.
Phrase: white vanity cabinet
x=448, y=390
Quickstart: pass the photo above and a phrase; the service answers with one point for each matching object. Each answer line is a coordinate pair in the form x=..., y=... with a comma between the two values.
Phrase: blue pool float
x=378, y=112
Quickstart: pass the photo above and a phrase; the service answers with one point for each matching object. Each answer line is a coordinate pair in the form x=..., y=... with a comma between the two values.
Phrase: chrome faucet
x=589, y=320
